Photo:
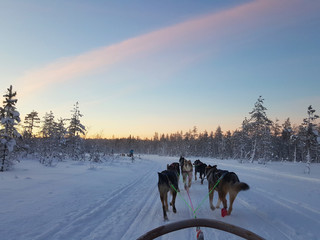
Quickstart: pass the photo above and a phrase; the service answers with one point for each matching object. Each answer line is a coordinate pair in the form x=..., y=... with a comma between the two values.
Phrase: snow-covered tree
x=9, y=117
x=75, y=129
x=53, y=139
x=228, y=149
x=286, y=139
x=49, y=125
x=218, y=143
x=259, y=130
x=276, y=142
x=31, y=122
x=311, y=134
x=245, y=141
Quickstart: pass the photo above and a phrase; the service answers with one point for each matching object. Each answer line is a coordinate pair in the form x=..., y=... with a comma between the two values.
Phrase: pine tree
x=228, y=151
x=245, y=141
x=75, y=129
x=9, y=117
x=48, y=149
x=259, y=128
x=276, y=143
x=286, y=139
x=218, y=143
x=310, y=135
x=48, y=127
x=31, y=121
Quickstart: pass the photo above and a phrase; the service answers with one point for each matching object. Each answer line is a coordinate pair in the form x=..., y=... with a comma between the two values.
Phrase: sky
x=140, y=67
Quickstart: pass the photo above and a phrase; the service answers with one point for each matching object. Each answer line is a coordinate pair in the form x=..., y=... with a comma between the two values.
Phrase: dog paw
x=174, y=210
x=212, y=208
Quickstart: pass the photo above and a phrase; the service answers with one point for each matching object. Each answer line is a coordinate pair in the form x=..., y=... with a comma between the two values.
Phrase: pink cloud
x=227, y=24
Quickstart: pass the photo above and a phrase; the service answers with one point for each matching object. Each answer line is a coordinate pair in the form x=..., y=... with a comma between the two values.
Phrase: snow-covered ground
x=119, y=199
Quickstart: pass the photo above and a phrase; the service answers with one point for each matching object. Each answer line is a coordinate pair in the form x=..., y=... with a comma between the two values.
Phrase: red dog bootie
x=224, y=212
x=199, y=234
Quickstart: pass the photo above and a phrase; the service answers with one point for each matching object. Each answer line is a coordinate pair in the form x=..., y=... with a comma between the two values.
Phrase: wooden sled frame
x=200, y=222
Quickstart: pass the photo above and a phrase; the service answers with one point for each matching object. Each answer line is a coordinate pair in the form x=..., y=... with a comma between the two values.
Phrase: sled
x=200, y=222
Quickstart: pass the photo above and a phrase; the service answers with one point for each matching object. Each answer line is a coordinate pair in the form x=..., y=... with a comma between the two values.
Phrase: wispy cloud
x=217, y=26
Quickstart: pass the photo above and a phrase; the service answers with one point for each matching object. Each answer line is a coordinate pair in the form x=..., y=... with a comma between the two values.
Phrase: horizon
x=165, y=67
x=152, y=135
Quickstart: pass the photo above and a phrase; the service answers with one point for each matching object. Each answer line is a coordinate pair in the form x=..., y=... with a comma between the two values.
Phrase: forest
x=52, y=140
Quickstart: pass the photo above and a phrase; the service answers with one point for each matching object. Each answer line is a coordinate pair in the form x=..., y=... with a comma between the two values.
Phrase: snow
x=119, y=199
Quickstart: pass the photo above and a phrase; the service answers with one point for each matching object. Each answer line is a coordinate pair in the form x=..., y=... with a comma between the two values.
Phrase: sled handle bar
x=200, y=222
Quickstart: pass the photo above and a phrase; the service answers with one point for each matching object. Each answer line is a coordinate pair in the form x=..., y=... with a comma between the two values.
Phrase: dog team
x=222, y=181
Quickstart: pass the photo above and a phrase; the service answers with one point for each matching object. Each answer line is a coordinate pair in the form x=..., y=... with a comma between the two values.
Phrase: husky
x=199, y=167
x=229, y=183
x=186, y=171
x=174, y=167
x=181, y=161
x=168, y=181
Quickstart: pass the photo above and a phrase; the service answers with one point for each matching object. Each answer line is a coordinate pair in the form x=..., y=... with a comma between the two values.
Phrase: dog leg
x=173, y=202
x=222, y=197
x=184, y=178
x=211, y=198
x=166, y=202
x=189, y=179
x=232, y=197
x=165, y=217
x=218, y=203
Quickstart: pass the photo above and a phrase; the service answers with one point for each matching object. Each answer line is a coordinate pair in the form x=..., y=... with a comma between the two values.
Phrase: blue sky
x=140, y=67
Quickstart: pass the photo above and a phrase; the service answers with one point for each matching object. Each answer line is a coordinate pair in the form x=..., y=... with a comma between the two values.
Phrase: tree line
x=258, y=139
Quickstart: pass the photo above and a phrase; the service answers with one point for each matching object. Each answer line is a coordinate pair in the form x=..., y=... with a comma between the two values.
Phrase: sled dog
x=174, y=167
x=229, y=183
x=199, y=167
x=166, y=178
x=186, y=171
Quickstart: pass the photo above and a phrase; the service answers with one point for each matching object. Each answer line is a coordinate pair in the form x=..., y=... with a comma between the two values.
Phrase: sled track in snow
x=104, y=216
x=305, y=211
x=146, y=211
x=286, y=230
x=265, y=220
x=289, y=230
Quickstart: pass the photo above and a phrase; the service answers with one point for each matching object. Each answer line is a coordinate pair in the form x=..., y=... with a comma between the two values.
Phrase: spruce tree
x=259, y=125
x=311, y=134
x=286, y=139
x=48, y=148
x=31, y=122
x=75, y=129
x=9, y=117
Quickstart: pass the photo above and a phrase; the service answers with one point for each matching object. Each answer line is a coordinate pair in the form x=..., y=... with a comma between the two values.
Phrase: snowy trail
x=119, y=200
x=94, y=222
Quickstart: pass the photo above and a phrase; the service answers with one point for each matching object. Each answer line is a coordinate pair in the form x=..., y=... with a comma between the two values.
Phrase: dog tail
x=241, y=186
